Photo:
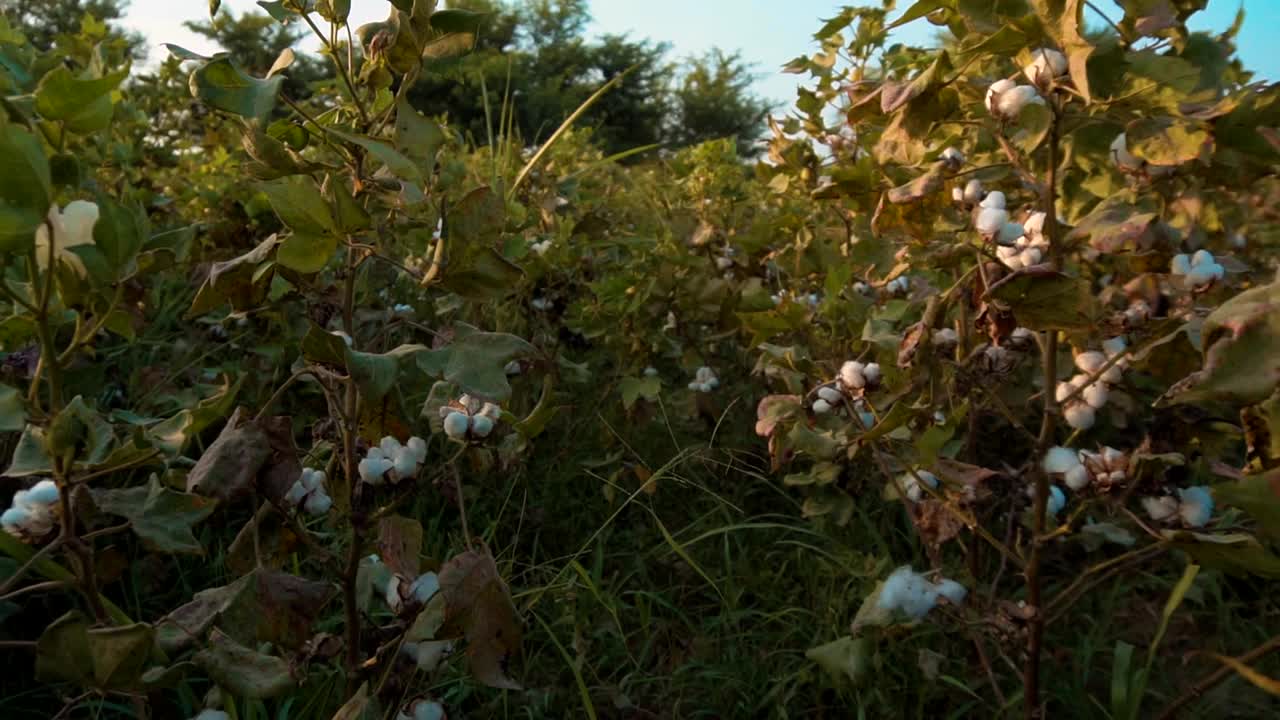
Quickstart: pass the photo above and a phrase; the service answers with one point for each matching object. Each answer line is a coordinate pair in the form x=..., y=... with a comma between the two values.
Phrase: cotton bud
x=1046, y=64
x=1196, y=506
x=1160, y=509
x=1120, y=154
x=973, y=191
x=1080, y=416
x=953, y=157
x=456, y=425
x=821, y=407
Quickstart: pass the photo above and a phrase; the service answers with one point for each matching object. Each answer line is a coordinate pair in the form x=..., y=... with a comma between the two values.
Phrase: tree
x=42, y=21
x=713, y=100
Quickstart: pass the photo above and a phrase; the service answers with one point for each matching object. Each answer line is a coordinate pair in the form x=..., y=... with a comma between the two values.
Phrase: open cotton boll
x=1060, y=460
x=1201, y=257
x=1096, y=395
x=318, y=503
x=1160, y=509
x=1121, y=156
x=952, y=591
x=995, y=90
x=821, y=407
x=1046, y=64
x=1180, y=264
x=481, y=426
x=1080, y=416
x=405, y=463
x=1090, y=362
x=991, y=221
x=1009, y=234
x=297, y=493
x=957, y=194
x=424, y=587
x=1010, y=103
x=1197, y=505
x=851, y=374
x=871, y=373
x=911, y=484
x=952, y=156
x=1205, y=274
x=456, y=425
x=15, y=520
x=372, y=469
x=389, y=446
x=44, y=492
x=973, y=191
x=830, y=394
x=1033, y=226
x=1077, y=478
x=994, y=199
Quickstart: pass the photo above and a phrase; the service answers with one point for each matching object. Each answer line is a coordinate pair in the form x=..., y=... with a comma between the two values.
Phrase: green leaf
x=245, y=672
x=478, y=217
x=374, y=374
x=27, y=191
x=82, y=104
x=30, y=456
x=322, y=346
x=182, y=53
x=457, y=21
x=1166, y=141
x=161, y=517
x=476, y=361
x=1047, y=300
x=1032, y=127
x=120, y=654
x=634, y=388
x=1257, y=495
x=298, y=203
x=117, y=237
x=220, y=84
x=13, y=412
x=305, y=252
x=483, y=274
x=1241, y=342
x=62, y=652
x=847, y=659
x=1236, y=554
x=79, y=431
x=397, y=164
x=417, y=137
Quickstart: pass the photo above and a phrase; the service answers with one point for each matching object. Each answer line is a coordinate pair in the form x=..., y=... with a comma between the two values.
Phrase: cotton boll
x=821, y=407
x=868, y=420
x=419, y=448
x=1180, y=265
x=318, y=503
x=1030, y=256
x=952, y=156
x=830, y=394
x=44, y=492
x=991, y=221
x=851, y=374
x=1096, y=395
x=952, y=591
x=994, y=199
x=1033, y=226
x=1046, y=64
x=424, y=587
x=1060, y=460
x=1009, y=233
x=1080, y=416
x=1010, y=256
x=372, y=469
x=405, y=463
x=389, y=446
x=1160, y=509
x=15, y=520
x=1063, y=391
x=1011, y=102
x=1196, y=507
x=297, y=493
x=456, y=425
x=995, y=90
x=871, y=373
x=1077, y=478
x=912, y=484
x=391, y=593
x=1201, y=257
x=1090, y=362
x=1120, y=154
x=973, y=191
x=957, y=194
x=1202, y=275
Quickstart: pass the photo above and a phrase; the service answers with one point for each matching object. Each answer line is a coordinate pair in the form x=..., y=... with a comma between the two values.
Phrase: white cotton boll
x=1202, y=257
x=1196, y=507
x=1060, y=459
x=456, y=425
x=1160, y=509
x=1080, y=416
x=372, y=469
x=389, y=446
x=15, y=520
x=851, y=374
x=424, y=587
x=297, y=493
x=1096, y=395
x=830, y=394
x=952, y=156
x=1063, y=391
x=405, y=463
x=481, y=426
x=1121, y=156
x=1034, y=224
x=1180, y=265
x=868, y=420
x=1114, y=346
x=871, y=373
x=391, y=593
x=1077, y=478
x=1090, y=362
x=491, y=411
x=1030, y=256
x=419, y=448
x=973, y=191
x=44, y=492
x=1046, y=64
x=952, y=591
x=1011, y=102
x=957, y=194
x=1202, y=275
x=995, y=90
x=318, y=503
x=821, y=407
x=994, y=199
x=991, y=221
x=1010, y=256
x=912, y=484
x=1113, y=374
x=1010, y=233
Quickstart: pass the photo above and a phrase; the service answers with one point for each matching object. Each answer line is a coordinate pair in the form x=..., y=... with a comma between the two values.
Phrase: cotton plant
x=910, y=594
x=704, y=380
x=1199, y=270
x=1106, y=468
x=33, y=512
x=389, y=461
x=309, y=493
x=1193, y=507
x=469, y=418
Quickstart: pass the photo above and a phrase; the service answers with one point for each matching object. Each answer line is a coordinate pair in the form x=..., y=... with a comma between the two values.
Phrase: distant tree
x=42, y=21
x=713, y=99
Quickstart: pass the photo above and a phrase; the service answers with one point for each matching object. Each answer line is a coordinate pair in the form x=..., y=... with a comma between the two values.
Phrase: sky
x=768, y=33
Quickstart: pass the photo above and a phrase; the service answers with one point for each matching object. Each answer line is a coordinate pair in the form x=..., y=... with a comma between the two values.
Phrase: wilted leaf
x=228, y=467
x=243, y=671
x=1241, y=341
x=263, y=606
x=400, y=544
x=846, y=659
x=478, y=606
x=1044, y=299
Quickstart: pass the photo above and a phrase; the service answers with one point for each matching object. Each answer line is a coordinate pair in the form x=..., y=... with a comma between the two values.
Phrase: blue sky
x=767, y=32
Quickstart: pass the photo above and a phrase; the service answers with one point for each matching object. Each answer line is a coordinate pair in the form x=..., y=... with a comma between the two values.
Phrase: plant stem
x=346, y=78
x=351, y=423
x=1212, y=680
